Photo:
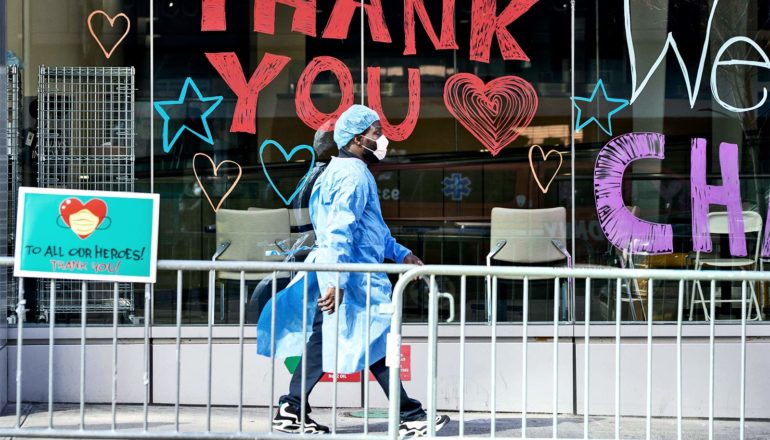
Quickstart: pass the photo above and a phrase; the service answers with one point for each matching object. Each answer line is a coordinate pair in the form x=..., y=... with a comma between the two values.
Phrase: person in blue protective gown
x=347, y=219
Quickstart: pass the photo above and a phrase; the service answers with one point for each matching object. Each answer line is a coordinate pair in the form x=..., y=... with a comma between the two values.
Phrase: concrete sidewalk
x=257, y=420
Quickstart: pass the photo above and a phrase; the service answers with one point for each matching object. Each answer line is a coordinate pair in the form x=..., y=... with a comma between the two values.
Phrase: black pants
x=410, y=409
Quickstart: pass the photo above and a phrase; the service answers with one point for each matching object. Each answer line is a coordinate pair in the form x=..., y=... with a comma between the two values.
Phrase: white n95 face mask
x=382, y=147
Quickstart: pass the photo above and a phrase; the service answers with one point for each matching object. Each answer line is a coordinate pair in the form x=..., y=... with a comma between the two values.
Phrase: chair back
x=718, y=222
x=299, y=223
x=752, y=222
x=299, y=218
x=249, y=234
x=529, y=233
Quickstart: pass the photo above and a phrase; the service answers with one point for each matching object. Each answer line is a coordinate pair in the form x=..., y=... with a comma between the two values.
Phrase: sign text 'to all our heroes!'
x=86, y=235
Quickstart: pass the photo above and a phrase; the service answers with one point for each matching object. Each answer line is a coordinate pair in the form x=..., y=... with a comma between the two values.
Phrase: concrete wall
x=477, y=369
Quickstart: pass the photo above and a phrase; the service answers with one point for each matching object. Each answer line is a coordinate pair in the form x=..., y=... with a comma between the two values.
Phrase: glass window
x=470, y=131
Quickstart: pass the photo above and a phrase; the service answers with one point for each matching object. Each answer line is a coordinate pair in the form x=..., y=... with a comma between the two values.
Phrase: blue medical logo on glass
x=456, y=186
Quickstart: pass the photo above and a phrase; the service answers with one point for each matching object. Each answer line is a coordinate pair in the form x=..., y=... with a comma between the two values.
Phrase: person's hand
x=327, y=303
x=412, y=259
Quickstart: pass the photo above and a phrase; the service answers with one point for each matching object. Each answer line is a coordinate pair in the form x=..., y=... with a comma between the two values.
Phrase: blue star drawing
x=456, y=186
x=182, y=100
x=621, y=104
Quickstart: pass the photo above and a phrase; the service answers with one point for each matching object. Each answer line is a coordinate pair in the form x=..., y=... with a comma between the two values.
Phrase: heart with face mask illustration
x=83, y=219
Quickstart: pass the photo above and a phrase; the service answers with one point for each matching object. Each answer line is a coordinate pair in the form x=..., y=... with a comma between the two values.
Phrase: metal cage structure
x=13, y=133
x=86, y=141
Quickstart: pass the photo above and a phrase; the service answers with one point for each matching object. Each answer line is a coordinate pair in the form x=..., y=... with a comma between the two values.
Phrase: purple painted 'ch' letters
x=728, y=194
x=623, y=229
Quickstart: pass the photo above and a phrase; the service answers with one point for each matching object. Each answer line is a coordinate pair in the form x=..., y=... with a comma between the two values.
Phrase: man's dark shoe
x=419, y=428
x=287, y=419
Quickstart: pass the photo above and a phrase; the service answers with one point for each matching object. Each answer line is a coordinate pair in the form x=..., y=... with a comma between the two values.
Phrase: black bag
x=261, y=295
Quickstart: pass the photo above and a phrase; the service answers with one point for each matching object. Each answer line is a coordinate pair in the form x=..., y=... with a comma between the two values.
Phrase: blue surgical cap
x=354, y=121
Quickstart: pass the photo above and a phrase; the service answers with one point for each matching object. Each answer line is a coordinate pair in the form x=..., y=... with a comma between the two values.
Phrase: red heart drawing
x=496, y=112
x=73, y=206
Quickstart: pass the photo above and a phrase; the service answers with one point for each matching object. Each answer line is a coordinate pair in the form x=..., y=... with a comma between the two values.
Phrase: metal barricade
x=179, y=267
x=586, y=275
x=408, y=274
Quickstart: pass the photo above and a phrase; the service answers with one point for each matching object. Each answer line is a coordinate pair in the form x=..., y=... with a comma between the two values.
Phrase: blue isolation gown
x=347, y=218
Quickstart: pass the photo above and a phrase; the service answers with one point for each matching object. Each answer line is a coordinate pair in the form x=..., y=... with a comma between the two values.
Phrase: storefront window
x=476, y=124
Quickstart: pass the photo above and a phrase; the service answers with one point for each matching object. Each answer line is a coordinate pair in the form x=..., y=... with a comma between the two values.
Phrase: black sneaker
x=419, y=428
x=287, y=419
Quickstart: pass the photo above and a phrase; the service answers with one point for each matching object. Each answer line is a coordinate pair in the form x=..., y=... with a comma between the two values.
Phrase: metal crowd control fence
x=586, y=275
x=408, y=274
